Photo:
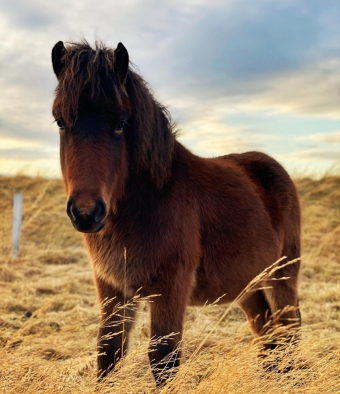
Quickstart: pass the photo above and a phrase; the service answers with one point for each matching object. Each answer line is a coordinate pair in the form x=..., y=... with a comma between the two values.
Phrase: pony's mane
x=90, y=72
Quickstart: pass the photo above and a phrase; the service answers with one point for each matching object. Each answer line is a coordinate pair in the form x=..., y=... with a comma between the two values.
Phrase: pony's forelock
x=85, y=71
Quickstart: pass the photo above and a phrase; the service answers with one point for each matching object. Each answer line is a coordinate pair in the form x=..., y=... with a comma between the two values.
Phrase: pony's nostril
x=99, y=211
x=72, y=210
x=86, y=219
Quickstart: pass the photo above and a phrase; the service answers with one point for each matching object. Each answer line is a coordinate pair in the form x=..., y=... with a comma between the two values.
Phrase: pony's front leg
x=116, y=321
x=167, y=316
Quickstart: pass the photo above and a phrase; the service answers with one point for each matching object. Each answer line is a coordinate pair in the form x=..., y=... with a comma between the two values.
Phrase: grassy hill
x=54, y=349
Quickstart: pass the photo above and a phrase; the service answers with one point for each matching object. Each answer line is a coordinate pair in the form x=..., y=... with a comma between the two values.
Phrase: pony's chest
x=119, y=265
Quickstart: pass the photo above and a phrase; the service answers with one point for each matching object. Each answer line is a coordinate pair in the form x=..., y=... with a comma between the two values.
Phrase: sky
x=236, y=75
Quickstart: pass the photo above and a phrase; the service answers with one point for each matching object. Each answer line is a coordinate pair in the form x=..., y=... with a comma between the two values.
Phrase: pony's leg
x=258, y=313
x=115, y=324
x=261, y=318
x=283, y=300
x=167, y=316
x=282, y=297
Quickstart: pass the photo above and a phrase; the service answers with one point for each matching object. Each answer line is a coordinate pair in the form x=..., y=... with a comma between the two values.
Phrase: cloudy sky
x=236, y=75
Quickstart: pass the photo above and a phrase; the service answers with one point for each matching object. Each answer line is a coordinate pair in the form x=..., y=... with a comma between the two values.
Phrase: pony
x=192, y=228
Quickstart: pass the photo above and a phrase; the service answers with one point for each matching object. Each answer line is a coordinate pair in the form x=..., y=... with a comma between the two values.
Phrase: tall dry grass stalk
x=54, y=349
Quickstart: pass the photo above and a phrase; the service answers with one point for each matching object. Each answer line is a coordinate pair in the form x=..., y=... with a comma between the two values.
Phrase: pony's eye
x=120, y=127
x=60, y=124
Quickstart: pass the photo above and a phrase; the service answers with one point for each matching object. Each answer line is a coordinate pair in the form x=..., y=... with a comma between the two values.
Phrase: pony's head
x=111, y=129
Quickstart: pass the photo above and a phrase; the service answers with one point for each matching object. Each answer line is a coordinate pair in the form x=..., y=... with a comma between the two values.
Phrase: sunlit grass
x=54, y=350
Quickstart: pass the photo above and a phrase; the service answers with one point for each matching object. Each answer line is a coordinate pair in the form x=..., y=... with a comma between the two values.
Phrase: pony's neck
x=152, y=139
x=141, y=182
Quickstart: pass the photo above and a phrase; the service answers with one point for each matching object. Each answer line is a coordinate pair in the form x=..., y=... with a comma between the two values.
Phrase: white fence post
x=17, y=217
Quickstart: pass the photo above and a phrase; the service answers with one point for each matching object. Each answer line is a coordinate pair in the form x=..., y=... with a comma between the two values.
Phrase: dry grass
x=53, y=350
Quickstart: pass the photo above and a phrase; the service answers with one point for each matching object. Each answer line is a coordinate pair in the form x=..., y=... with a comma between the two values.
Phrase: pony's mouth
x=88, y=225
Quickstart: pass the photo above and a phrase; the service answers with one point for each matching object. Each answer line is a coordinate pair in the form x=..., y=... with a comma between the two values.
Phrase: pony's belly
x=211, y=295
x=223, y=284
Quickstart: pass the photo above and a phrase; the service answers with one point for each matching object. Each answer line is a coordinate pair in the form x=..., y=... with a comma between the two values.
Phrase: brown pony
x=194, y=228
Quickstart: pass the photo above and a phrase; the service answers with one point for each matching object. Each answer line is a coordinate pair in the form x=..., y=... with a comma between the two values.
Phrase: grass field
x=54, y=349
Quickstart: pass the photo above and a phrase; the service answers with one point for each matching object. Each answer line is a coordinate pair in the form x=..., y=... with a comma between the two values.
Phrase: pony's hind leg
x=282, y=291
x=272, y=316
x=258, y=313
x=282, y=298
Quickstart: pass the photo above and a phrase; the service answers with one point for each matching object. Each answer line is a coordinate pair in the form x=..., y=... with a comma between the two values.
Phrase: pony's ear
x=57, y=53
x=121, y=64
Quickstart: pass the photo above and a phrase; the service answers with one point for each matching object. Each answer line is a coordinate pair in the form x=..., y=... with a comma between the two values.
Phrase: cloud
x=210, y=136
x=332, y=138
x=226, y=47
x=205, y=59
x=324, y=147
x=310, y=90
x=28, y=153
x=314, y=155
x=261, y=42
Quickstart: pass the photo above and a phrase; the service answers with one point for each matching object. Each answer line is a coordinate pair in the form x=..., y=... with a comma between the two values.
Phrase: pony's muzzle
x=88, y=220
